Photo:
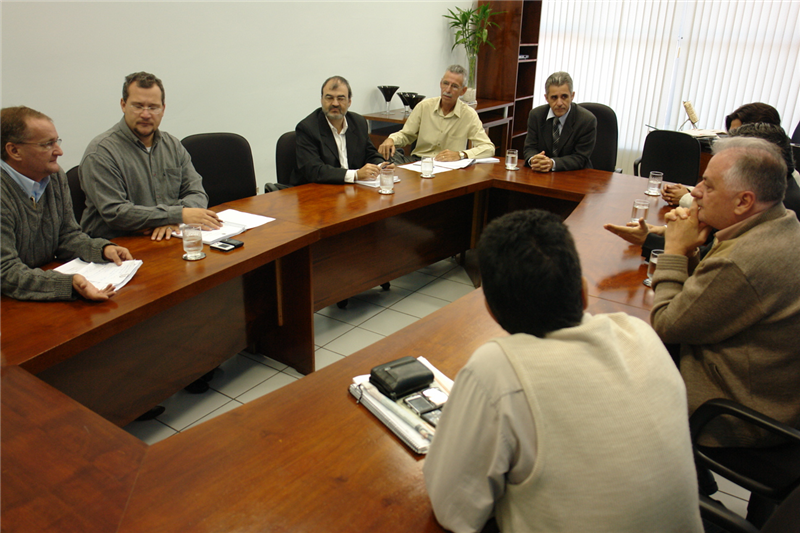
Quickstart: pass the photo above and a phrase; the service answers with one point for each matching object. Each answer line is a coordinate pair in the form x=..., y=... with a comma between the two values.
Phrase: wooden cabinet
x=508, y=71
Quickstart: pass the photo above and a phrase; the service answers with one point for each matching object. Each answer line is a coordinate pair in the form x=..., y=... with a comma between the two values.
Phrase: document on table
x=444, y=166
x=102, y=274
x=415, y=432
x=233, y=223
x=248, y=220
x=375, y=183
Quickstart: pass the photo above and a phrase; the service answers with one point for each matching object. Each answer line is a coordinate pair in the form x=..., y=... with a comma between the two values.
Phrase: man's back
x=593, y=433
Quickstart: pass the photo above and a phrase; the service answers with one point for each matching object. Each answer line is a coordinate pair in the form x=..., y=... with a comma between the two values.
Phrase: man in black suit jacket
x=333, y=146
x=577, y=131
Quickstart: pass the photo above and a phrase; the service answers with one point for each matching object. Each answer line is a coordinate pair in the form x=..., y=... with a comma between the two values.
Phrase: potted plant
x=471, y=28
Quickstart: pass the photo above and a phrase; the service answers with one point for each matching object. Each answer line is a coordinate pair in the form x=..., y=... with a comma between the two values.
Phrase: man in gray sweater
x=38, y=224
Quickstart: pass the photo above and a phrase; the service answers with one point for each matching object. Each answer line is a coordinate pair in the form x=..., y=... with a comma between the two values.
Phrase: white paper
x=248, y=220
x=101, y=275
x=417, y=167
x=375, y=183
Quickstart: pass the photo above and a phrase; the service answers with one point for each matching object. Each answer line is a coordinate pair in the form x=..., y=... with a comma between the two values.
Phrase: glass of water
x=427, y=167
x=511, y=159
x=651, y=266
x=639, y=210
x=192, y=235
x=654, y=183
x=386, y=185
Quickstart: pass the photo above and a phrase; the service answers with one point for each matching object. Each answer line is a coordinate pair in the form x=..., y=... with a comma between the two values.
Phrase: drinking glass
x=387, y=181
x=192, y=235
x=388, y=91
x=427, y=167
x=640, y=208
x=651, y=266
x=654, y=183
x=511, y=159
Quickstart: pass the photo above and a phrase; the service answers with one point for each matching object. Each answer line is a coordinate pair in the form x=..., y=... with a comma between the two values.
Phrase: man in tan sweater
x=737, y=314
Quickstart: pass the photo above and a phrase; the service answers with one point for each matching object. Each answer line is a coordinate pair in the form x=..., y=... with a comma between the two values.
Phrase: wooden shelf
x=501, y=73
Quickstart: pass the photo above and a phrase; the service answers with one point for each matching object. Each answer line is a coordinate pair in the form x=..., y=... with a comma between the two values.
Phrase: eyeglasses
x=47, y=145
x=340, y=99
x=152, y=109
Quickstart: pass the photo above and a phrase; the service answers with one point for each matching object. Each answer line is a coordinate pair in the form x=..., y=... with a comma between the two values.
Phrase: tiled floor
x=369, y=317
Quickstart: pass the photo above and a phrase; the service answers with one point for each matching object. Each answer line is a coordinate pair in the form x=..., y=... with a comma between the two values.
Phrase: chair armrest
x=636, y=166
x=723, y=517
x=719, y=406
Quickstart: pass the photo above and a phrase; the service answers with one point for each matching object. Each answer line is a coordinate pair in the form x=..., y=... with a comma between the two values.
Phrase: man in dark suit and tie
x=561, y=134
x=333, y=146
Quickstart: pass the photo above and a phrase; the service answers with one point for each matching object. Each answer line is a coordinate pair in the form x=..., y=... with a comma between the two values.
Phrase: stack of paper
x=233, y=223
x=445, y=166
x=404, y=423
x=101, y=275
x=375, y=183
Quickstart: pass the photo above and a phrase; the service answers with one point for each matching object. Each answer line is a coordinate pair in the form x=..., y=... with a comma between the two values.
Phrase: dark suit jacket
x=317, y=155
x=575, y=144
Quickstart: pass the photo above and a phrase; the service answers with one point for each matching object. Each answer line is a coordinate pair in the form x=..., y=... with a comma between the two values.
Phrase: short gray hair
x=558, y=79
x=459, y=71
x=759, y=167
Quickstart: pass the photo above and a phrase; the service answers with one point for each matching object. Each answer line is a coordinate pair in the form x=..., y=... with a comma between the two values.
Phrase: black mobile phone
x=232, y=242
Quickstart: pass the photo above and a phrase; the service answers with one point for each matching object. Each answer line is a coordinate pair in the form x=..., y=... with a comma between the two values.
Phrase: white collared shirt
x=563, y=120
x=341, y=144
x=34, y=189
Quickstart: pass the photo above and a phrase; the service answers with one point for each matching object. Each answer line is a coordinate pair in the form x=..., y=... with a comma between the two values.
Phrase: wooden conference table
x=306, y=457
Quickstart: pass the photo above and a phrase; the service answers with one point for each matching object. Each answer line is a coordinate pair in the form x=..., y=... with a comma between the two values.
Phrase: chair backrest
x=604, y=156
x=796, y=134
x=675, y=154
x=77, y=194
x=225, y=162
x=286, y=157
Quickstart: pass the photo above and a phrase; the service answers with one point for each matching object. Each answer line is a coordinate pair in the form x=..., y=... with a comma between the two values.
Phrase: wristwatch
x=462, y=155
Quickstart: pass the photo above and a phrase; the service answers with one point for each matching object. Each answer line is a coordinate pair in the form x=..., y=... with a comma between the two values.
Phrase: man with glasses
x=333, y=145
x=441, y=126
x=38, y=224
x=137, y=177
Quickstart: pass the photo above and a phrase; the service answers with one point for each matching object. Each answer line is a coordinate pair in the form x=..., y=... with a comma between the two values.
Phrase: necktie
x=556, y=134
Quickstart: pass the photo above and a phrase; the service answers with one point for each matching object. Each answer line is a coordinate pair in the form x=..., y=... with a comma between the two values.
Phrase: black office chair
x=604, y=156
x=796, y=134
x=225, y=162
x=770, y=473
x=785, y=519
x=77, y=194
x=286, y=157
x=675, y=154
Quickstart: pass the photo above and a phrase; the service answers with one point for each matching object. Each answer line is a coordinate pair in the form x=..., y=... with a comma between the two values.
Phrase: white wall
x=253, y=68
